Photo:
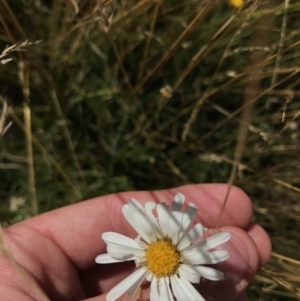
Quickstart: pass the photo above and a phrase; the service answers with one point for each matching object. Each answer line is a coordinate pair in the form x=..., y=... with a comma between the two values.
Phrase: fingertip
x=262, y=240
x=238, y=269
x=243, y=259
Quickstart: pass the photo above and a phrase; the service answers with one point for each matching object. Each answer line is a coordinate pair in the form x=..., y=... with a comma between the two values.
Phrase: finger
x=239, y=268
x=242, y=297
x=262, y=241
x=77, y=229
x=123, y=298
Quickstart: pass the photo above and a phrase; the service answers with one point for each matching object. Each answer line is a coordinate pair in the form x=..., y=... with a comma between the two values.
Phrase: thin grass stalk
x=202, y=14
x=280, y=47
x=232, y=39
x=14, y=19
x=125, y=74
x=236, y=112
x=24, y=80
x=209, y=93
x=46, y=153
x=26, y=127
x=57, y=38
x=204, y=50
x=75, y=5
x=149, y=39
x=3, y=126
x=66, y=132
x=261, y=37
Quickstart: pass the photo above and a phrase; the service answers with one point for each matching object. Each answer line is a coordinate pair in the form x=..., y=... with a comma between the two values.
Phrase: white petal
x=140, y=260
x=196, y=256
x=145, y=227
x=163, y=218
x=140, y=242
x=154, y=296
x=165, y=292
x=149, y=206
x=196, y=232
x=149, y=276
x=133, y=289
x=190, y=290
x=177, y=290
x=187, y=289
x=187, y=221
x=188, y=217
x=135, y=205
x=159, y=284
x=119, y=240
x=189, y=273
x=198, y=245
x=123, y=253
x=106, y=258
x=209, y=273
x=184, y=243
x=191, y=210
x=169, y=289
x=218, y=256
x=129, y=216
x=139, y=223
x=177, y=222
x=177, y=202
x=126, y=284
x=217, y=239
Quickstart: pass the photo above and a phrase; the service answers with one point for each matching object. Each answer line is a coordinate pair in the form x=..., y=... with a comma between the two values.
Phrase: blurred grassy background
x=148, y=94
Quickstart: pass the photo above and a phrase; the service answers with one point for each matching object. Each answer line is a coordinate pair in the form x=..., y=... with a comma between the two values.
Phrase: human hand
x=57, y=249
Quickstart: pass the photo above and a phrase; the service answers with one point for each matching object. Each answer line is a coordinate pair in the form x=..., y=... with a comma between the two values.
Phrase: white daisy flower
x=168, y=251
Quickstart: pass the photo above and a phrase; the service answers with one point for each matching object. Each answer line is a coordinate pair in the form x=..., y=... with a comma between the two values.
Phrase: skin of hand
x=57, y=250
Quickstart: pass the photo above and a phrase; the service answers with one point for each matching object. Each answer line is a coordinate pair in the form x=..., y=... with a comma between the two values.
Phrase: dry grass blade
x=14, y=48
x=280, y=46
x=147, y=46
x=236, y=112
x=24, y=81
x=13, y=18
x=3, y=117
x=75, y=5
x=202, y=14
x=252, y=91
x=66, y=132
x=45, y=152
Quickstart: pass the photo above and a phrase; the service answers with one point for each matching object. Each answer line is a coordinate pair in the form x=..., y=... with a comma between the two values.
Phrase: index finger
x=77, y=229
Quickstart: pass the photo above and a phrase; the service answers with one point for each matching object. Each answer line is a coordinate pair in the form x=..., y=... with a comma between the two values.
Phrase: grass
x=154, y=94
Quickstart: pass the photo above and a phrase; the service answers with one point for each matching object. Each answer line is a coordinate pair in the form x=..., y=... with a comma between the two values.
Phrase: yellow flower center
x=162, y=258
